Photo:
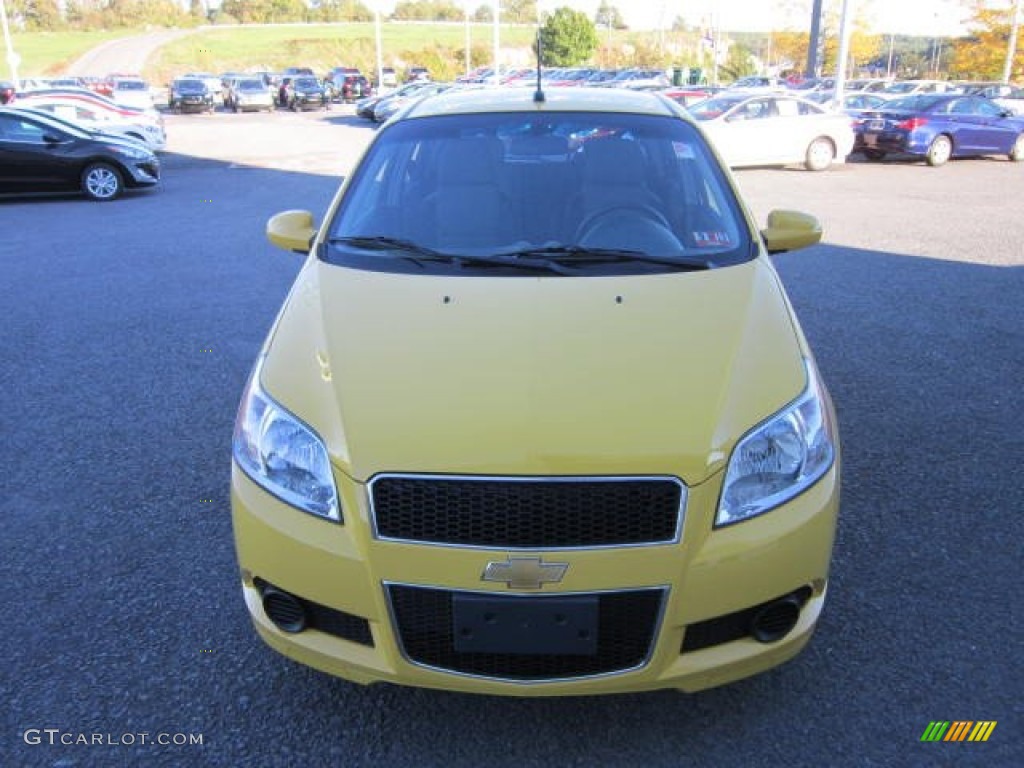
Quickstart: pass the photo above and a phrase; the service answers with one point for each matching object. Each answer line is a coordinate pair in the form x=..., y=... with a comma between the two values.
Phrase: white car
x=912, y=87
x=774, y=129
x=94, y=116
x=132, y=92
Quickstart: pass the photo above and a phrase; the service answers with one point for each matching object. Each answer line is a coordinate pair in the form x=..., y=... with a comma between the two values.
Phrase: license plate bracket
x=525, y=625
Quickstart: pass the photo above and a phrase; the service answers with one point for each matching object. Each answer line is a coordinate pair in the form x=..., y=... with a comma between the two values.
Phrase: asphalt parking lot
x=129, y=329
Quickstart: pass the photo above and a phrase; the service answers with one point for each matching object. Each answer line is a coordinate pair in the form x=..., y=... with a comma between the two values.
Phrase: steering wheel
x=631, y=228
x=627, y=211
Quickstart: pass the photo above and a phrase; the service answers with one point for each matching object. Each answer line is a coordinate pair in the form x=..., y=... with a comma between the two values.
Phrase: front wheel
x=940, y=151
x=1017, y=153
x=102, y=182
x=820, y=154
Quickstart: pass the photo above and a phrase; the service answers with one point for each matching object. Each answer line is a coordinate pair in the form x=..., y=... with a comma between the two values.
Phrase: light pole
x=380, y=53
x=844, y=47
x=497, y=15
x=1011, y=48
x=13, y=59
x=467, y=38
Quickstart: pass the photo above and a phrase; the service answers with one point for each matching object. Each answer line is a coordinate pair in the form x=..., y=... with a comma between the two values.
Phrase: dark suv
x=190, y=95
x=306, y=92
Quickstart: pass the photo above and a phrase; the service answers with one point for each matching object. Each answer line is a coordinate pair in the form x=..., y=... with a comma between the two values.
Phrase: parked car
x=538, y=411
x=103, y=131
x=349, y=89
x=89, y=96
x=413, y=74
x=97, y=118
x=213, y=82
x=249, y=94
x=636, y=77
x=869, y=84
x=7, y=92
x=938, y=127
x=39, y=155
x=911, y=87
x=132, y=92
x=392, y=103
x=757, y=84
x=388, y=78
x=336, y=76
x=365, y=107
x=1006, y=96
x=190, y=95
x=854, y=103
x=304, y=93
x=774, y=129
x=685, y=95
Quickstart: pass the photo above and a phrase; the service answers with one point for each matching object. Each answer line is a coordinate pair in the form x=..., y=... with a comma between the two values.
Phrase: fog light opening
x=775, y=620
x=284, y=610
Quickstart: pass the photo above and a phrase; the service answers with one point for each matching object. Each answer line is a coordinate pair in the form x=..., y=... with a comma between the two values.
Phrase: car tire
x=820, y=154
x=102, y=182
x=874, y=154
x=1017, y=152
x=939, y=151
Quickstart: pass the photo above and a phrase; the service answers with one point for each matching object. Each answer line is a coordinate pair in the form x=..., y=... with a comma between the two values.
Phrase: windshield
x=130, y=85
x=577, y=188
x=190, y=85
x=306, y=82
x=251, y=85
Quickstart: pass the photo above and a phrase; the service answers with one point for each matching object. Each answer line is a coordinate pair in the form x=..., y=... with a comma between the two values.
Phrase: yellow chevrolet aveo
x=536, y=417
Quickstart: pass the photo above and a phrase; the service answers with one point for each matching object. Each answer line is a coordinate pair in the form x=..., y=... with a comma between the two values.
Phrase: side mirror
x=790, y=231
x=292, y=230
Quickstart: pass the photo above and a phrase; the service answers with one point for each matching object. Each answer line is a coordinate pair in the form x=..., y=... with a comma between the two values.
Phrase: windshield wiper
x=420, y=253
x=578, y=254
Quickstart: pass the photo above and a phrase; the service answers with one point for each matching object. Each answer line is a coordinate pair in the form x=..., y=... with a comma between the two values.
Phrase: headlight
x=132, y=152
x=282, y=454
x=780, y=458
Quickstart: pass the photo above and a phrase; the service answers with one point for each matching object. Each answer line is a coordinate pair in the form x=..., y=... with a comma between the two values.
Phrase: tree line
x=571, y=37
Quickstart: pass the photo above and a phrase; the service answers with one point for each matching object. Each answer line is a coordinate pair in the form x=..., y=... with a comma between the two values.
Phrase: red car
x=6, y=92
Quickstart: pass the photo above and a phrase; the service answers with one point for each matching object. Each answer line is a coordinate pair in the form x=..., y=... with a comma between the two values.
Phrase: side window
x=24, y=132
x=987, y=108
x=962, y=107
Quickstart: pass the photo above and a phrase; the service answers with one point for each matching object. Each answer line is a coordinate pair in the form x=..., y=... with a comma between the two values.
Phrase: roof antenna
x=538, y=95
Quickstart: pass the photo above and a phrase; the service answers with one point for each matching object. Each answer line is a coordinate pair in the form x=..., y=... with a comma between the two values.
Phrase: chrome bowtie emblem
x=524, y=572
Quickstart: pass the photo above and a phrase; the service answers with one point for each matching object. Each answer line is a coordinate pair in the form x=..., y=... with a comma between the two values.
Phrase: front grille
x=527, y=513
x=627, y=625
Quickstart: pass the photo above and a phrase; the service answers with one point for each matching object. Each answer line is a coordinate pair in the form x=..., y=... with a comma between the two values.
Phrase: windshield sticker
x=712, y=239
x=683, y=150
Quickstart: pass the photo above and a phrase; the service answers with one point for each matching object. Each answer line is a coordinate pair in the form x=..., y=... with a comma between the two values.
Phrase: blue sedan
x=938, y=127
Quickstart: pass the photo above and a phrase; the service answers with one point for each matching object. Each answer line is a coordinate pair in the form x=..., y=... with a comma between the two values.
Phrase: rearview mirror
x=292, y=230
x=790, y=231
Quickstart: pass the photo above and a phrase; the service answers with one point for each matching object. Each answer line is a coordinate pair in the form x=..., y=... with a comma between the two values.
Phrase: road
x=127, y=54
x=129, y=329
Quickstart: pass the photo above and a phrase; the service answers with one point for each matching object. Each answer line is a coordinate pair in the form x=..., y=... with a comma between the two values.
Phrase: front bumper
x=704, y=581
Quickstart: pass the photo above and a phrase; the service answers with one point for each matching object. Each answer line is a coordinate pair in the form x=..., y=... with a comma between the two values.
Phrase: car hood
x=595, y=375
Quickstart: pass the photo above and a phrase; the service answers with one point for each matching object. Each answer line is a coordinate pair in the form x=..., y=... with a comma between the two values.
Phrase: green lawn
x=322, y=46
x=50, y=53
